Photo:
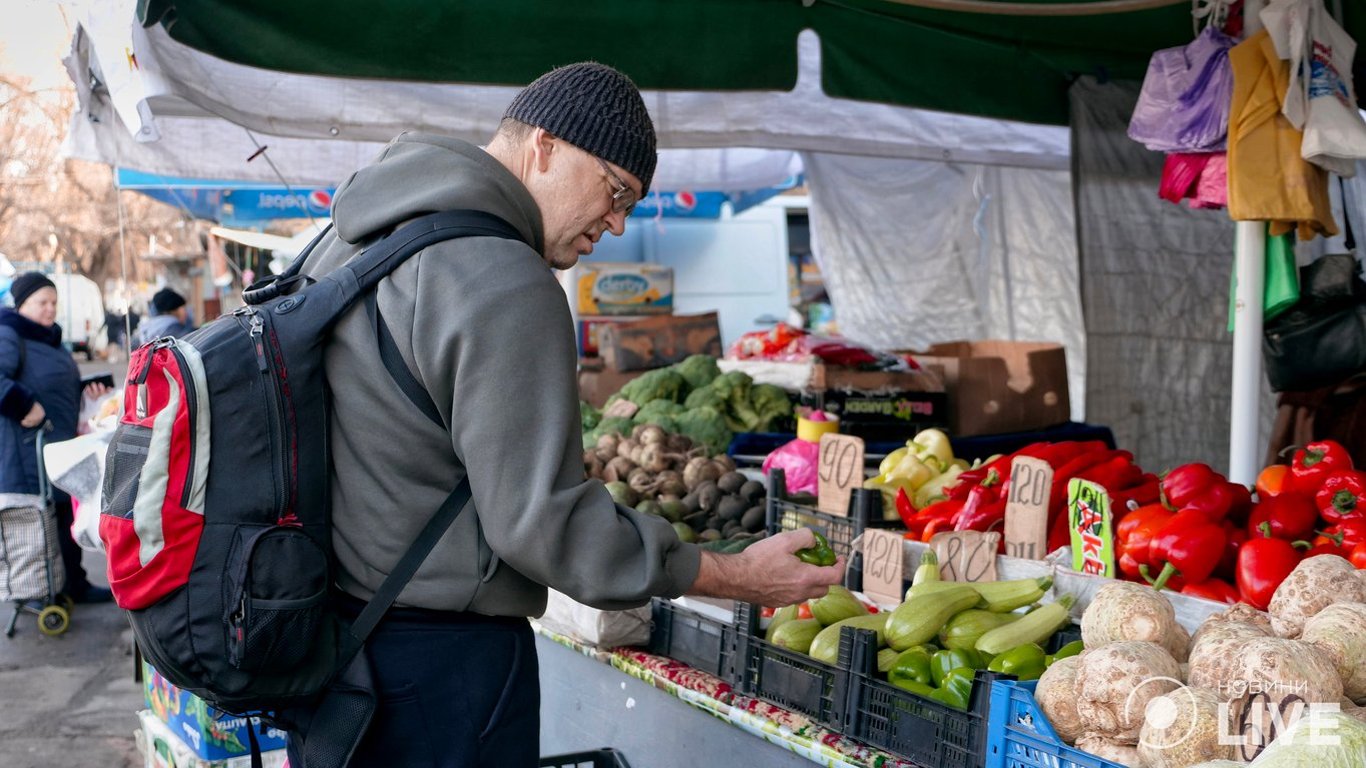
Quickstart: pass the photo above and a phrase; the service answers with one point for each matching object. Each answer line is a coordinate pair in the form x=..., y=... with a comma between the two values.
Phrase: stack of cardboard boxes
x=180, y=731
x=627, y=325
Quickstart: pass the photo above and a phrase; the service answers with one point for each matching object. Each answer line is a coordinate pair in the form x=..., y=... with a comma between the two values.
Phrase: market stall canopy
x=993, y=61
x=174, y=99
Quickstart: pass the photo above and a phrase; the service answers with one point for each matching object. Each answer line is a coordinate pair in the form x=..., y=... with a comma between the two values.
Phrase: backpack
x=215, y=517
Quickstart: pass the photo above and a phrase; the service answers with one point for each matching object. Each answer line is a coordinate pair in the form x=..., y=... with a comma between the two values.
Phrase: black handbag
x=1322, y=339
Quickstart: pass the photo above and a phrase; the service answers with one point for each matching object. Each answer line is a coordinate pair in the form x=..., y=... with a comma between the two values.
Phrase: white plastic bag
x=77, y=467
x=1320, y=100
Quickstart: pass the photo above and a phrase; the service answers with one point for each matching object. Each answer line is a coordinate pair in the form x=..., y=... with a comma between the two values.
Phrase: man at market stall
x=484, y=327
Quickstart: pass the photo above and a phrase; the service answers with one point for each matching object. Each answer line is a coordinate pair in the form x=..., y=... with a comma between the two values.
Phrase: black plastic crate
x=793, y=681
x=921, y=730
x=787, y=513
x=696, y=640
x=598, y=758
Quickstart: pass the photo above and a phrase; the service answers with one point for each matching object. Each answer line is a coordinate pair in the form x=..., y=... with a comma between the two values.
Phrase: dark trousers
x=456, y=690
x=76, y=582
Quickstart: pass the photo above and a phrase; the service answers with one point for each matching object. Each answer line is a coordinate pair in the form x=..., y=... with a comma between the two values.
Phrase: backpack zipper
x=256, y=331
x=192, y=404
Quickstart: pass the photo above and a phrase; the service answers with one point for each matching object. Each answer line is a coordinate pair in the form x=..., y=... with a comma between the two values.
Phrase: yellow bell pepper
x=891, y=460
x=933, y=442
x=934, y=490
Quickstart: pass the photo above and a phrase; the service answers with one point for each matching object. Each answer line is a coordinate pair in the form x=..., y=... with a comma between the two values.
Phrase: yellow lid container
x=811, y=431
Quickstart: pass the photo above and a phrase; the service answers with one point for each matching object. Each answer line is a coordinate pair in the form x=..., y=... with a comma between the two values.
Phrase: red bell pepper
x=1316, y=461
x=1263, y=563
x=1214, y=502
x=1273, y=481
x=1188, y=544
x=1118, y=471
x=1329, y=545
x=1342, y=495
x=1181, y=485
x=1349, y=532
x=1217, y=590
x=1228, y=564
x=1358, y=555
x=1242, y=503
x=1133, y=535
x=1147, y=490
x=1290, y=515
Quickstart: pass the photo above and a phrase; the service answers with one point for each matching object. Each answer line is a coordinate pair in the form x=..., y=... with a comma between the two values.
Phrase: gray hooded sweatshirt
x=484, y=326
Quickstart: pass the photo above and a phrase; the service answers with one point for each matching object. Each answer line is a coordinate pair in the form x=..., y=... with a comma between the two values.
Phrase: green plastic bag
x=1281, y=288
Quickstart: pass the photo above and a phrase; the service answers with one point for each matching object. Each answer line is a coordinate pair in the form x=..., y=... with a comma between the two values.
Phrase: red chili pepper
x=1214, y=502
x=1290, y=515
x=1119, y=471
x=1316, y=461
x=1217, y=590
x=1263, y=563
x=1228, y=564
x=1146, y=491
x=935, y=526
x=986, y=516
x=1187, y=481
x=904, y=508
x=1188, y=544
x=1273, y=481
x=1342, y=495
x=943, y=511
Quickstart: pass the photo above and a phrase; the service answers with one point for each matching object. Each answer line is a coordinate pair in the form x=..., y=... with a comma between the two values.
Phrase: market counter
x=661, y=713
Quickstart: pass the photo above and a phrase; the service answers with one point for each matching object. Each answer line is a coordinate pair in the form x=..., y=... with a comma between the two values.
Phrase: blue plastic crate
x=1020, y=736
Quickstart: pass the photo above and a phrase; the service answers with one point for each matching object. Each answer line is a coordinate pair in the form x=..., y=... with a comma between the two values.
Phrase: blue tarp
x=248, y=204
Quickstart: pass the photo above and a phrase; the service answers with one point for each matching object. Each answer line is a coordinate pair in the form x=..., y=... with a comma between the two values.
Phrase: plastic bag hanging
x=1183, y=105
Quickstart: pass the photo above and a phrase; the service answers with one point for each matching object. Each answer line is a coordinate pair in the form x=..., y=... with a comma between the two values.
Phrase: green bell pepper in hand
x=1025, y=662
x=943, y=662
x=1071, y=649
x=819, y=553
x=956, y=690
x=911, y=666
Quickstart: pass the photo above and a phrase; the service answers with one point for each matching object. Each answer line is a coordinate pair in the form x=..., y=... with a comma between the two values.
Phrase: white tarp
x=917, y=252
x=172, y=80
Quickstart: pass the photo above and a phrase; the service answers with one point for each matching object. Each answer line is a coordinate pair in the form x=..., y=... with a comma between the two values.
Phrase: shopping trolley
x=31, y=571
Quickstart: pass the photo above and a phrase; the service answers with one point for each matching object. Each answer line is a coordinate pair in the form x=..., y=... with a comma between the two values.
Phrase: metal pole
x=1249, y=254
x=1244, y=445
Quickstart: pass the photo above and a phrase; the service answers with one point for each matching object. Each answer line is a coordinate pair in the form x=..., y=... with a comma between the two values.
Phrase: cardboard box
x=608, y=288
x=590, y=331
x=597, y=383
x=208, y=734
x=659, y=341
x=162, y=748
x=995, y=387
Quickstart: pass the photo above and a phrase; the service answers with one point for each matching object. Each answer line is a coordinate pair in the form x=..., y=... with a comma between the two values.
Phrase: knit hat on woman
x=28, y=284
x=595, y=108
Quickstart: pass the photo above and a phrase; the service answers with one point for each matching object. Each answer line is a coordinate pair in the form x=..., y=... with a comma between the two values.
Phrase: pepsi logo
x=685, y=200
x=320, y=200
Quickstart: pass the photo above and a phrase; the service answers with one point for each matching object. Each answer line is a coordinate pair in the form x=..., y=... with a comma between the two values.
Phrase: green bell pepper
x=911, y=665
x=819, y=553
x=956, y=690
x=1071, y=649
x=923, y=690
x=942, y=662
x=1025, y=662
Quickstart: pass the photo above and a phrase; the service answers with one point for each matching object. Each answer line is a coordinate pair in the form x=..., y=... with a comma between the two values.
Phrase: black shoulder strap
x=397, y=367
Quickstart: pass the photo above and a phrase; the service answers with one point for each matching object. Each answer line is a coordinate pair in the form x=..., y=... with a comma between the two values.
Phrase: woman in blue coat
x=39, y=382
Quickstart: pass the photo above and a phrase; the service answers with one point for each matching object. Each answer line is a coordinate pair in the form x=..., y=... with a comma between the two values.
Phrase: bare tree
x=68, y=210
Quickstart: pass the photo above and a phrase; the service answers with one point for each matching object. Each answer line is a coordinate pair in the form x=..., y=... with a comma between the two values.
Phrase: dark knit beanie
x=595, y=108
x=167, y=300
x=26, y=285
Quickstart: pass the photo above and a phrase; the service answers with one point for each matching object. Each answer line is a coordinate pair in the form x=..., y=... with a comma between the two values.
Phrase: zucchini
x=963, y=630
x=921, y=617
x=928, y=570
x=826, y=645
x=1034, y=627
x=1006, y=596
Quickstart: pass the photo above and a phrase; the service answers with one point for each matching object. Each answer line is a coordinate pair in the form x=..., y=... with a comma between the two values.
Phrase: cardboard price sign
x=1091, y=528
x=884, y=564
x=1031, y=482
x=622, y=408
x=966, y=555
x=839, y=472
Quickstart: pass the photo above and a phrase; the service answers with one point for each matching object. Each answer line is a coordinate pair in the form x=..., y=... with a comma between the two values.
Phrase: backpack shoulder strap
x=386, y=255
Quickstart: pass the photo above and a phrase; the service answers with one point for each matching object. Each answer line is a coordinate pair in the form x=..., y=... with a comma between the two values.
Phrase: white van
x=80, y=312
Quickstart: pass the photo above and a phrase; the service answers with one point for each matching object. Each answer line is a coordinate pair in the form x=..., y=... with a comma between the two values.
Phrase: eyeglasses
x=624, y=199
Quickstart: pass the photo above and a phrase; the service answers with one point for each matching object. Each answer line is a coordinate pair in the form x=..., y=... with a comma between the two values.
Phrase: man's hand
x=36, y=415
x=767, y=572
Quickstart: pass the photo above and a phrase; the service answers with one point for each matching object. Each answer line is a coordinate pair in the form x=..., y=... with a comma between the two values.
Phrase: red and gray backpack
x=215, y=516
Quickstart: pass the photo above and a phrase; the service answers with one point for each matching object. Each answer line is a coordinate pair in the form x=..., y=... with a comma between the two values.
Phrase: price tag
x=1031, y=482
x=1090, y=526
x=884, y=564
x=1264, y=712
x=840, y=471
x=622, y=408
x=966, y=555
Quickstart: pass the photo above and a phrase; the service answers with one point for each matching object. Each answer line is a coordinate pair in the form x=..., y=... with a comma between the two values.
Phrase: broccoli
x=589, y=415
x=614, y=424
x=707, y=426
x=660, y=383
x=706, y=396
x=734, y=386
x=770, y=403
x=698, y=370
x=651, y=412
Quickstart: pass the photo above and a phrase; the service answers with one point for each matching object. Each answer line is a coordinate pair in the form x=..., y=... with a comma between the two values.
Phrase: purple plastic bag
x=1184, y=103
x=799, y=461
